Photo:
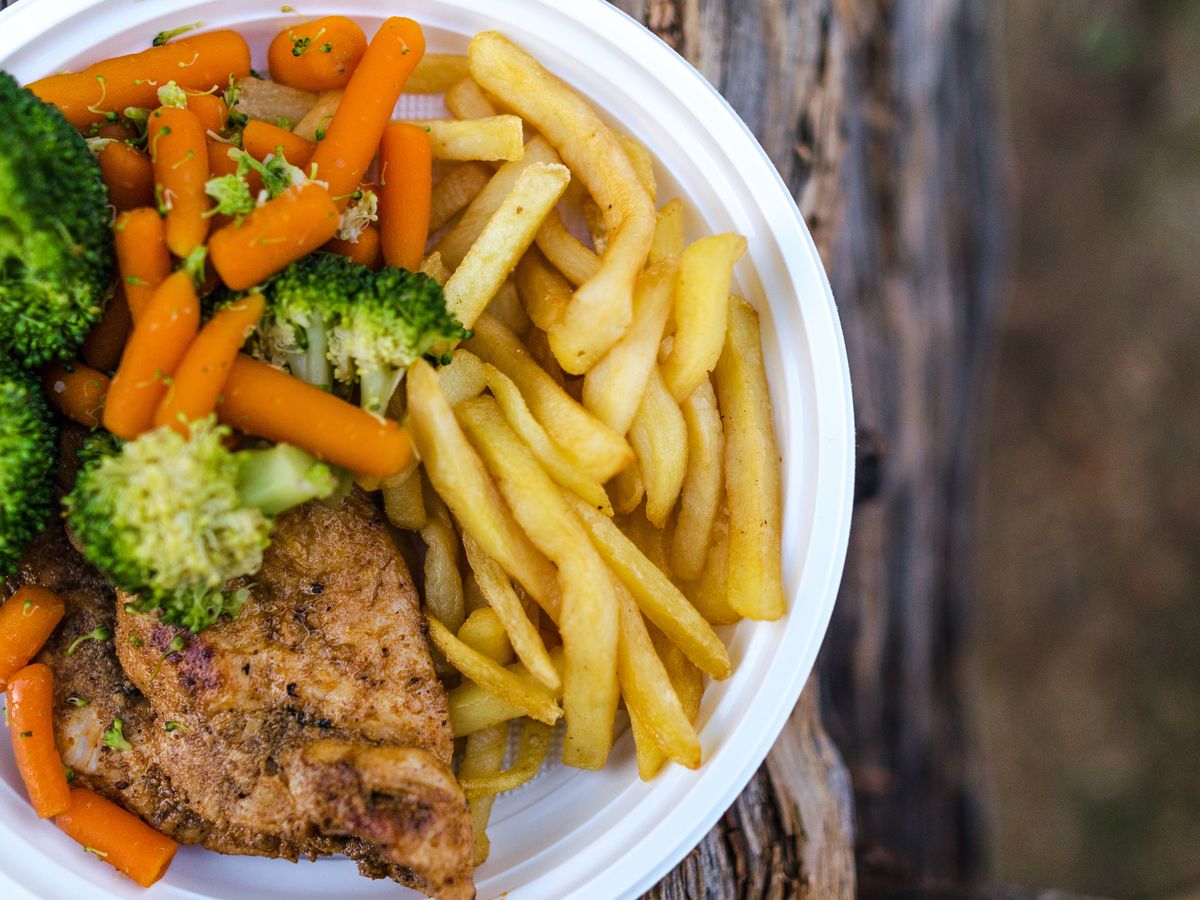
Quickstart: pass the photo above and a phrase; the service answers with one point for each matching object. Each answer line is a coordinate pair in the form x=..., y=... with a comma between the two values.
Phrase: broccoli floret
x=171, y=519
x=361, y=211
x=27, y=457
x=172, y=95
x=56, y=256
x=232, y=192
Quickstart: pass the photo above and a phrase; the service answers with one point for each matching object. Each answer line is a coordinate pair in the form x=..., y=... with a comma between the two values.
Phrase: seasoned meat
x=312, y=725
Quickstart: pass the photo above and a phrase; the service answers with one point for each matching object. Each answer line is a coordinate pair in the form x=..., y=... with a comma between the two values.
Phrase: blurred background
x=1087, y=640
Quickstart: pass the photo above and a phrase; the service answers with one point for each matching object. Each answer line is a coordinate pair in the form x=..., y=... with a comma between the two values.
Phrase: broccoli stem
x=376, y=387
x=284, y=476
x=312, y=364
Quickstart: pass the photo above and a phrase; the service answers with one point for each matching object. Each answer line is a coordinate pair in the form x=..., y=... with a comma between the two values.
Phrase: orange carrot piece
x=366, y=251
x=77, y=391
x=267, y=402
x=128, y=174
x=210, y=109
x=197, y=63
x=371, y=94
x=31, y=724
x=221, y=163
x=27, y=618
x=277, y=233
x=179, y=151
x=260, y=139
x=201, y=374
x=317, y=56
x=405, y=194
x=159, y=340
x=140, y=236
x=104, y=344
x=118, y=837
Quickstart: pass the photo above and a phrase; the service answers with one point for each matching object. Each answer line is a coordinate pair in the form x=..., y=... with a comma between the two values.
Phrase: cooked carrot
x=118, y=131
x=279, y=232
x=210, y=109
x=31, y=724
x=267, y=402
x=179, y=151
x=371, y=94
x=118, y=837
x=200, y=375
x=221, y=163
x=366, y=251
x=27, y=618
x=260, y=139
x=77, y=391
x=159, y=340
x=103, y=346
x=317, y=56
x=128, y=174
x=140, y=236
x=405, y=194
x=197, y=63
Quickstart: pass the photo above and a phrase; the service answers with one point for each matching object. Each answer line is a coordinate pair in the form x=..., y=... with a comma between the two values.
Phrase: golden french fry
x=463, y=378
x=482, y=758
x=538, y=346
x=594, y=447
x=649, y=695
x=490, y=139
x=659, y=438
x=483, y=631
x=455, y=245
x=710, y=595
x=614, y=387
x=433, y=266
x=752, y=487
x=567, y=252
x=703, y=486
x=565, y=472
x=603, y=305
x=531, y=753
x=473, y=598
x=544, y=293
x=701, y=310
x=521, y=691
x=436, y=73
x=587, y=620
x=466, y=100
x=658, y=598
x=455, y=192
x=627, y=489
x=668, y=233
x=688, y=683
x=643, y=163
x=270, y=101
x=505, y=238
x=505, y=605
x=648, y=538
x=443, y=583
x=404, y=502
x=507, y=309
x=319, y=115
x=460, y=479
x=473, y=708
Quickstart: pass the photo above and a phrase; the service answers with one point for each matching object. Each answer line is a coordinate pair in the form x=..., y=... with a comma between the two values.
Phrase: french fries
x=490, y=139
x=701, y=310
x=577, y=263
x=404, y=502
x=466, y=100
x=710, y=595
x=507, y=309
x=473, y=708
x=688, y=683
x=433, y=266
x=535, y=741
x=702, y=491
x=544, y=293
x=642, y=161
x=443, y=583
x=436, y=73
x=455, y=192
x=627, y=490
x=504, y=239
x=668, y=233
x=463, y=378
x=319, y=115
x=483, y=758
x=659, y=438
x=270, y=101
x=603, y=305
x=595, y=447
x=588, y=619
x=752, y=487
x=483, y=631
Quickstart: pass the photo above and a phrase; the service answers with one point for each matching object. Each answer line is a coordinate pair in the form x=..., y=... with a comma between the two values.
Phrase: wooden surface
x=877, y=114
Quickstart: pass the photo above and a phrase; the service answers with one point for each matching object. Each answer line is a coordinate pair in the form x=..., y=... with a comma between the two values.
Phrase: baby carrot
x=200, y=375
x=77, y=391
x=405, y=194
x=31, y=723
x=365, y=251
x=210, y=109
x=102, y=347
x=261, y=139
x=179, y=151
x=159, y=340
x=317, y=56
x=267, y=402
x=140, y=236
x=27, y=618
x=118, y=837
x=221, y=163
x=128, y=174
x=371, y=94
x=277, y=233
x=101, y=91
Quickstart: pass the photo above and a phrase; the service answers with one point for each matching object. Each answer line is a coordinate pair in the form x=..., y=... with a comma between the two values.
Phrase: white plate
x=569, y=833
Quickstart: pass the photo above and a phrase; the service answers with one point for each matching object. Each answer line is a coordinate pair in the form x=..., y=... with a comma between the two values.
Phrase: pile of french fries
x=598, y=485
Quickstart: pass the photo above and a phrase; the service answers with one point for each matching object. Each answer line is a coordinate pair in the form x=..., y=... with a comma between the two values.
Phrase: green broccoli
x=170, y=519
x=27, y=457
x=56, y=256
x=232, y=192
